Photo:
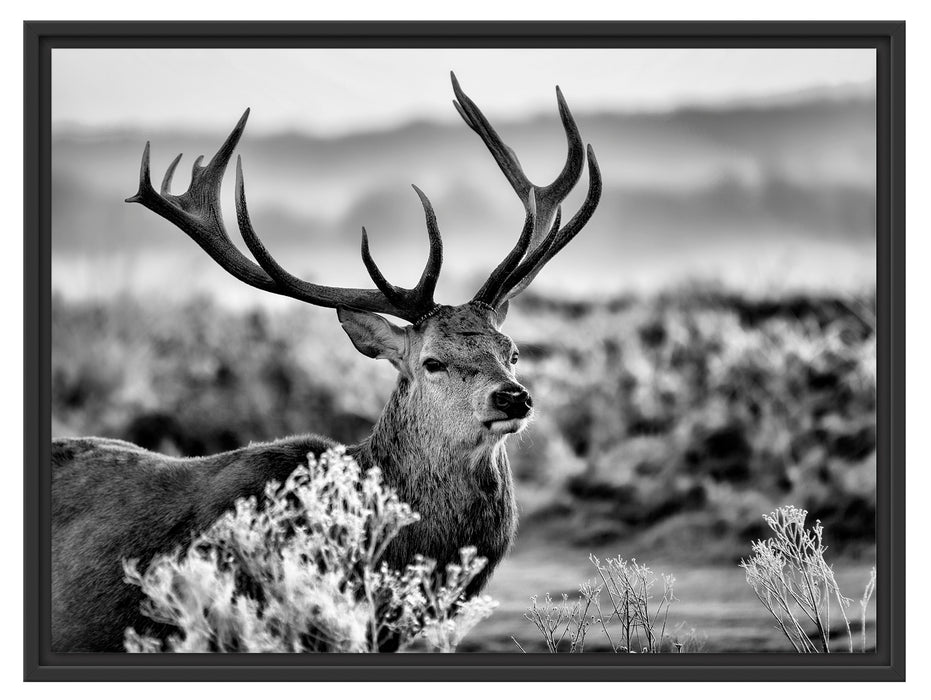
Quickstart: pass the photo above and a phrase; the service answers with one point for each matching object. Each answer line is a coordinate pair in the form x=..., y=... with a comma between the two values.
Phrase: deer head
x=457, y=369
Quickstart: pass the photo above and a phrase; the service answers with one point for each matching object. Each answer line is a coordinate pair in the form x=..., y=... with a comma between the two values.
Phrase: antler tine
x=557, y=239
x=166, y=181
x=489, y=290
x=393, y=293
x=575, y=154
x=431, y=272
x=503, y=154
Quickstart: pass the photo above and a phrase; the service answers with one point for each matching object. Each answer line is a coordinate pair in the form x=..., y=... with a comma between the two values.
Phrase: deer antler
x=542, y=204
x=197, y=213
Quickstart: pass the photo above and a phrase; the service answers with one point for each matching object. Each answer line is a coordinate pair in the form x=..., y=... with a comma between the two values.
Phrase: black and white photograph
x=445, y=350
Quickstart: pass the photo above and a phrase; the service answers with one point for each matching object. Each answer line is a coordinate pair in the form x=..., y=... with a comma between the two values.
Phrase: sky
x=335, y=91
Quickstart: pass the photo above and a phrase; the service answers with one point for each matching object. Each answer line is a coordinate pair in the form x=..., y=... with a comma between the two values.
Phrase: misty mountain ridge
x=675, y=183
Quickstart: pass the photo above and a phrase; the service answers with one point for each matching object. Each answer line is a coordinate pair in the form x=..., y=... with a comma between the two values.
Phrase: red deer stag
x=439, y=441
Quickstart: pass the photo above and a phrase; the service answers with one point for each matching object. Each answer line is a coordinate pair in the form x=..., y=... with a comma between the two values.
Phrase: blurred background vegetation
x=666, y=424
x=703, y=353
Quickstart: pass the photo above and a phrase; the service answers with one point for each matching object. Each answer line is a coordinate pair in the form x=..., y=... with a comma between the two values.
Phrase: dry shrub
x=794, y=582
x=302, y=571
x=633, y=619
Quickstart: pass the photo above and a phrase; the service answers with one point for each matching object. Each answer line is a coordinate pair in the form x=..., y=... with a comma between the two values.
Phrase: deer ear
x=373, y=335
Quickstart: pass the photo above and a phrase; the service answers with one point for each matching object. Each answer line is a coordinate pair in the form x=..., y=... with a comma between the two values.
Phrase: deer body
x=148, y=503
x=440, y=441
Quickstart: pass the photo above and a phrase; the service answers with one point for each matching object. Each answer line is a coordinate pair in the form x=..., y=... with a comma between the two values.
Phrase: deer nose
x=514, y=401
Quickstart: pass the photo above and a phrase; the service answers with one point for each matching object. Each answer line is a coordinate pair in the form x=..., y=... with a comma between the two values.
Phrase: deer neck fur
x=462, y=489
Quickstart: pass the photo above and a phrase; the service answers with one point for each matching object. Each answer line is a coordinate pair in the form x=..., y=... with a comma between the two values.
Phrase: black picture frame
x=887, y=663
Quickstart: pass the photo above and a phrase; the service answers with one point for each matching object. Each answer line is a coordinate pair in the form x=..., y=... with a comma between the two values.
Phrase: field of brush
x=666, y=425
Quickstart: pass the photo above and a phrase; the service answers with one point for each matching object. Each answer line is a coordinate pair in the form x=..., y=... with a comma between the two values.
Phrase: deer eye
x=515, y=357
x=433, y=365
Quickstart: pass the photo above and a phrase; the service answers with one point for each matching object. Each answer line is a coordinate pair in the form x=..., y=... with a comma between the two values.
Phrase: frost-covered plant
x=638, y=617
x=864, y=606
x=629, y=586
x=565, y=621
x=302, y=571
x=795, y=584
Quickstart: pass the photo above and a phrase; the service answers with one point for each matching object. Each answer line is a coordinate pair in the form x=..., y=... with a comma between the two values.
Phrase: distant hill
x=677, y=184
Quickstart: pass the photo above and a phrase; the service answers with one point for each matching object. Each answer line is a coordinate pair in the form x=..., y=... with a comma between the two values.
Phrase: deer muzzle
x=514, y=402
